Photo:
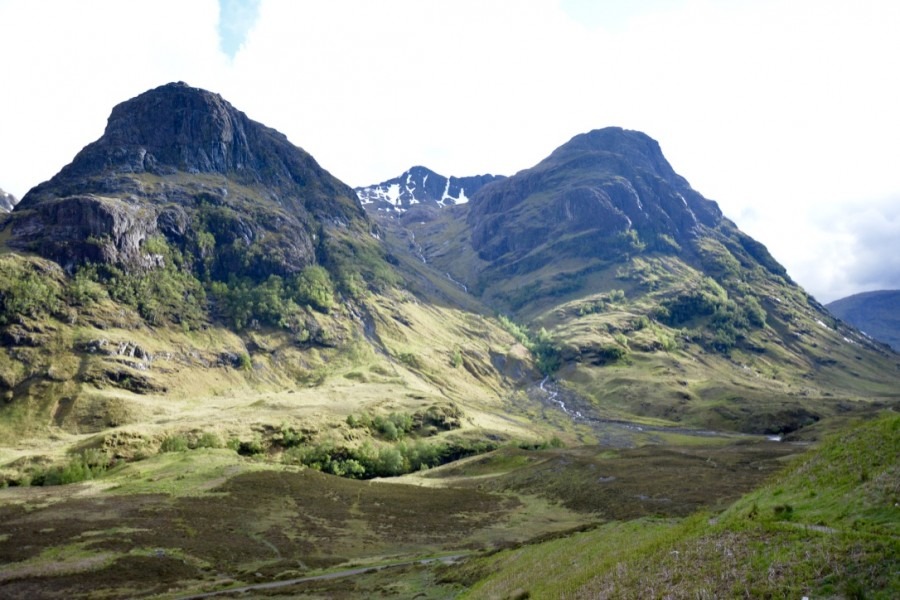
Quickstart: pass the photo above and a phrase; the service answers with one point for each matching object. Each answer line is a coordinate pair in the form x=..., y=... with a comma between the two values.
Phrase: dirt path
x=270, y=585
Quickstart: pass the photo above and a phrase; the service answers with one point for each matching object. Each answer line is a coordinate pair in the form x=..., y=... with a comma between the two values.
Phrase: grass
x=826, y=527
x=275, y=522
x=185, y=517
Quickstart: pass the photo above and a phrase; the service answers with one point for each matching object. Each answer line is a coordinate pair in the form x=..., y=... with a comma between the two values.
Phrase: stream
x=620, y=432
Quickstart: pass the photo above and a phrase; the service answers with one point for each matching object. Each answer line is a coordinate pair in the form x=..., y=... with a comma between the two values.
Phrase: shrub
x=410, y=360
x=390, y=462
x=24, y=292
x=209, y=440
x=394, y=426
x=313, y=287
x=609, y=353
x=288, y=437
x=755, y=312
x=87, y=465
x=546, y=352
x=250, y=448
x=83, y=289
x=174, y=443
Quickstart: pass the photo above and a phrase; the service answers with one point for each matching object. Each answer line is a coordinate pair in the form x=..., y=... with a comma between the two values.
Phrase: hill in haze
x=876, y=313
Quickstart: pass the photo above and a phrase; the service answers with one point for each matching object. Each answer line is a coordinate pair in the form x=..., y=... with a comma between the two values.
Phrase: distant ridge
x=876, y=313
x=420, y=185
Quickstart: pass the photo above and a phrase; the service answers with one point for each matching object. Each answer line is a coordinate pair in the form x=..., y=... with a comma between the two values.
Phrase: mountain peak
x=175, y=161
x=638, y=148
x=178, y=128
x=608, y=184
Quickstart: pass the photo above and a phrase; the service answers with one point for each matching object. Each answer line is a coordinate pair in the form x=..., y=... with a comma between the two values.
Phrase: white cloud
x=777, y=110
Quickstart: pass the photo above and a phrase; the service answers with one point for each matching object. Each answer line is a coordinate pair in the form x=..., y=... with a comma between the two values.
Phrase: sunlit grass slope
x=829, y=526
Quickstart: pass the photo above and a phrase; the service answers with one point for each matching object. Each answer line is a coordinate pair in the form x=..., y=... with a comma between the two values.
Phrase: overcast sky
x=785, y=112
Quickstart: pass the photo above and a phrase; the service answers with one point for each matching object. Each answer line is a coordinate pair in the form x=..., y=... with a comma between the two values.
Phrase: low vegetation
x=261, y=520
x=826, y=527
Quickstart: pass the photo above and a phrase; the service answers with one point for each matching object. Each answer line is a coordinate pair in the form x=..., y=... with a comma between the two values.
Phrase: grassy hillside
x=80, y=369
x=728, y=345
x=828, y=526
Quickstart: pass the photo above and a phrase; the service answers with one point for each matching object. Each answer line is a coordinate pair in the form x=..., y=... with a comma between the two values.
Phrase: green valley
x=224, y=372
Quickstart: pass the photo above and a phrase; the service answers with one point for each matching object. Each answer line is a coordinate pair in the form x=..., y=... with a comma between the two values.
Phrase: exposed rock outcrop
x=598, y=187
x=182, y=163
x=7, y=201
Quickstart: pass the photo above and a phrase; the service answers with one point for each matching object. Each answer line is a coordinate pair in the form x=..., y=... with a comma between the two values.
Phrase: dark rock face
x=7, y=201
x=602, y=191
x=179, y=162
x=876, y=313
x=420, y=185
x=67, y=230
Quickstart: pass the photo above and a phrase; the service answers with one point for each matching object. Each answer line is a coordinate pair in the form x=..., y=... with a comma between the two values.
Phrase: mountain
x=200, y=316
x=7, y=201
x=604, y=196
x=179, y=162
x=421, y=186
x=192, y=252
x=876, y=313
x=645, y=298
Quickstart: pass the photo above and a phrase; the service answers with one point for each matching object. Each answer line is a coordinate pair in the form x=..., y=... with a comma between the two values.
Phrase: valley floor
x=186, y=523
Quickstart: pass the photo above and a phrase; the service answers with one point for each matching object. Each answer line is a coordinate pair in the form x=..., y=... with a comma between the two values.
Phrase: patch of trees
x=721, y=321
x=25, y=293
x=276, y=302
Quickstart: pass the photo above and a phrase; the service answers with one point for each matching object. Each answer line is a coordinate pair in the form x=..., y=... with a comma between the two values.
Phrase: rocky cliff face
x=183, y=163
x=7, y=201
x=421, y=186
x=611, y=184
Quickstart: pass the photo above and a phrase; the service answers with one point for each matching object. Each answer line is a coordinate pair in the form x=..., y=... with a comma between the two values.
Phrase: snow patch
x=446, y=194
x=394, y=193
x=822, y=323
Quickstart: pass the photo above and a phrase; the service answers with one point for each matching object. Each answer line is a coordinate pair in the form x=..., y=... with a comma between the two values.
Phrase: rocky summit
x=605, y=194
x=178, y=160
